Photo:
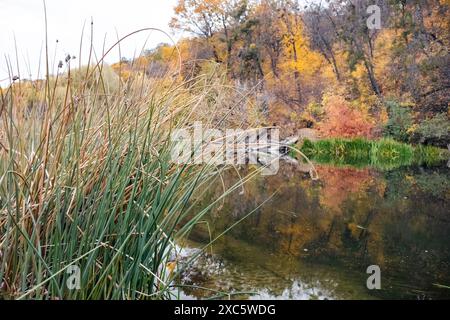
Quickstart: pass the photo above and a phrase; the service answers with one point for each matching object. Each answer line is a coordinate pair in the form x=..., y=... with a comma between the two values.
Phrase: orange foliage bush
x=342, y=120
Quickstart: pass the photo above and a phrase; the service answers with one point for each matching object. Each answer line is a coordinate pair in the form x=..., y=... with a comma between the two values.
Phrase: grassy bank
x=384, y=154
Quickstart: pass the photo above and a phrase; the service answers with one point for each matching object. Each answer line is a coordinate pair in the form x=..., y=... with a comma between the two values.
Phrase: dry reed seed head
x=69, y=57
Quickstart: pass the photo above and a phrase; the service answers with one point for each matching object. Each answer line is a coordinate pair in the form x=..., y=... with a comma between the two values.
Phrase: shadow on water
x=315, y=239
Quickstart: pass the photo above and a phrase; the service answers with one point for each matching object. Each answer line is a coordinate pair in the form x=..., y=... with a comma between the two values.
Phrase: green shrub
x=400, y=120
x=315, y=110
x=435, y=130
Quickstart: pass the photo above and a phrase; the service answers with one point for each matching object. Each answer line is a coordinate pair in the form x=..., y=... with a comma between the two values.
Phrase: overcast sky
x=24, y=19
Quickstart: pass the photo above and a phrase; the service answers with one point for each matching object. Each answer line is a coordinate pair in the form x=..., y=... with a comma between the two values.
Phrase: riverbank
x=384, y=154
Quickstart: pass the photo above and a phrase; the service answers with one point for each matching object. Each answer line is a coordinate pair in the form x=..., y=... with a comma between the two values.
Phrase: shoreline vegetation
x=382, y=154
x=91, y=203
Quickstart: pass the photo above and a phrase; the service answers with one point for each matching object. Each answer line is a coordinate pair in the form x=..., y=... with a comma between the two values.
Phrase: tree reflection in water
x=315, y=239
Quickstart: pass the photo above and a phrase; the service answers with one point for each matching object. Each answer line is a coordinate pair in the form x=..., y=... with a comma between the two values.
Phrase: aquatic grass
x=388, y=154
x=338, y=151
x=384, y=154
x=430, y=155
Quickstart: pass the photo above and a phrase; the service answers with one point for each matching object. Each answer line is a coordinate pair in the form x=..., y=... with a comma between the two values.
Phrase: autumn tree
x=291, y=21
x=349, y=18
x=269, y=32
x=199, y=17
x=321, y=31
x=212, y=20
x=420, y=52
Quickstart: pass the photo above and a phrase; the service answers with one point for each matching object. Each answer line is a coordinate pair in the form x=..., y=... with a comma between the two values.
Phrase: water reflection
x=315, y=239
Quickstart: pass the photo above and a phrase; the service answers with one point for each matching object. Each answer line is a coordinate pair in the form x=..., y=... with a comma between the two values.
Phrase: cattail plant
x=87, y=183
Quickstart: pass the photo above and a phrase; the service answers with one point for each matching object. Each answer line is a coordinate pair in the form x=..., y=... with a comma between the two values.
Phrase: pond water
x=314, y=239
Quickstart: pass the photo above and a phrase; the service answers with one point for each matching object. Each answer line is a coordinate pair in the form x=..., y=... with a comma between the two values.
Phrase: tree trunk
x=373, y=80
x=297, y=75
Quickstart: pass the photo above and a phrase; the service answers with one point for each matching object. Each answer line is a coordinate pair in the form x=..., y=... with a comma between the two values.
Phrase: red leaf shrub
x=342, y=120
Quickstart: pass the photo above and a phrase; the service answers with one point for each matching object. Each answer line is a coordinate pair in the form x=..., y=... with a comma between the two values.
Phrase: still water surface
x=314, y=239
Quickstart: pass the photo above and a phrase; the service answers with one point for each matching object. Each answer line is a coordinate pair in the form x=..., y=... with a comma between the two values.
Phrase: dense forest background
x=317, y=64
